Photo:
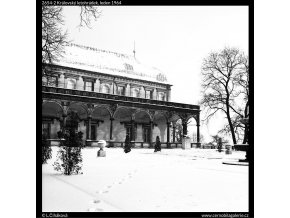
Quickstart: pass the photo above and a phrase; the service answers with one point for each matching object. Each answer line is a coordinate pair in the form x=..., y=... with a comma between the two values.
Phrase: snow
x=193, y=180
x=93, y=59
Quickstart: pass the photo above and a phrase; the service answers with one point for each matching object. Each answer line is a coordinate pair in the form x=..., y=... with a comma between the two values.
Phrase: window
x=146, y=134
x=71, y=84
x=46, y=129
x=93, y=132
x=129, y=132
x=105, y=89
x=128, y=66
x=89, y=86
x=49, y=81
x=148, y=94
x=121, y=90
x=135, y=93
x=161, y=96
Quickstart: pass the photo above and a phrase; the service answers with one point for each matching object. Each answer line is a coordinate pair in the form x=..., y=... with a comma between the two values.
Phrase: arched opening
x=143, y=127
x=122, y=123
x=100, y=124
x=106, y=89
x=191, y=129
x=81, y=112
x=160, y=127
x=51, y=117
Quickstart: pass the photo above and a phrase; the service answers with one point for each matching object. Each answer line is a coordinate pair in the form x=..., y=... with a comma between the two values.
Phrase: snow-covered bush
x=69, y=157
x=46, y=150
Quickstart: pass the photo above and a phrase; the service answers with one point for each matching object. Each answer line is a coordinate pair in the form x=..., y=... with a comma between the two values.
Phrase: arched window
x=106, y=89
x=71, y=84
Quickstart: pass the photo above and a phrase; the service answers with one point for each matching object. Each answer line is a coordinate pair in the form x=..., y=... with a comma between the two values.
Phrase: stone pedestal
x=101, y=153
x=101, y=145
x=185, y=143
x=228, y=149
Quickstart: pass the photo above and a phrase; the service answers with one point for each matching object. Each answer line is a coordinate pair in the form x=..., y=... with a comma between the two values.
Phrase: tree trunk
x=231, y=128
x=245, y=140
x=246, y=115
x=229, y=117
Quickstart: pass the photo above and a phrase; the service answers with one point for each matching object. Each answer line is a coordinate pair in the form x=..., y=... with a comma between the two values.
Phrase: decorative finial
x=134, y=49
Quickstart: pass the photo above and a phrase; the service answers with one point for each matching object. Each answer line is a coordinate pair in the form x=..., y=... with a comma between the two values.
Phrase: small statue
x=157, y=144
x=127, y=147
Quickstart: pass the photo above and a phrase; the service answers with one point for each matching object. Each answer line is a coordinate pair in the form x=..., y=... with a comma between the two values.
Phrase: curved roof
x=97, y=60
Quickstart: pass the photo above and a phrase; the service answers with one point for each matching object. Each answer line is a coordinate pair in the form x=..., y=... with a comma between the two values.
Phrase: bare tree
x=178, y=131
x=194, y=137
x=87, y=13
x=225, y=78
x=53, y=37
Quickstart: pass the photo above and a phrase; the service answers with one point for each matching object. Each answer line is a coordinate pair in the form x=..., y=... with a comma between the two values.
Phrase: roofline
x=117, y=76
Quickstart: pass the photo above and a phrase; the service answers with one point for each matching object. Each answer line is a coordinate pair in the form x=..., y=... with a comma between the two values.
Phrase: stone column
x=173, y=133
x=97, y=85
x=89, y=130
x=61, y=81
x=197, y=135
x=111, y=128
x=128, y=90
x=150, y=134
x=184, y=127
x=63, y=122
x=185, y=140
x=65, y=82
x=132, y=130
x=80, y=83
x=168, y=93
x=168, y=134
x=112, y=88
x=142, y=92
x=154, y=94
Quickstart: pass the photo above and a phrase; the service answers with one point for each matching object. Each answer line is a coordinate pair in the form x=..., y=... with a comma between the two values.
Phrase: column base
x=185, y=143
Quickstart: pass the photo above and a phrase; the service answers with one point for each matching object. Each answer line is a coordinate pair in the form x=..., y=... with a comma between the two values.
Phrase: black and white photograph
x=145, y=108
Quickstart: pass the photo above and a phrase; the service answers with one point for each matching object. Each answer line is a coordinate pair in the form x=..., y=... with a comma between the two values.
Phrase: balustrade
x=116, y=97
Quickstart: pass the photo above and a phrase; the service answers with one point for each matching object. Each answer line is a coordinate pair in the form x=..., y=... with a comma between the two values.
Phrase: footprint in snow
x=95, y=210
x=102, y=191
x=97, y=201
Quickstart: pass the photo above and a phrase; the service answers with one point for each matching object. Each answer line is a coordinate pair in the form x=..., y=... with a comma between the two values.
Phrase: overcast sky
x=174, y=39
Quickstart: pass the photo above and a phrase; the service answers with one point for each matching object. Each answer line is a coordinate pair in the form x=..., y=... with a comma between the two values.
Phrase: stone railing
x=74, y=92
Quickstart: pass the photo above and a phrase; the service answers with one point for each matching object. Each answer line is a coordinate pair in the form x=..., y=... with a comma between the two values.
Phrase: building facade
x=113, y=95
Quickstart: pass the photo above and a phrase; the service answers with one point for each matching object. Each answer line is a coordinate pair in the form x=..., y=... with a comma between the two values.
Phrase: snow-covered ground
x=193, y=180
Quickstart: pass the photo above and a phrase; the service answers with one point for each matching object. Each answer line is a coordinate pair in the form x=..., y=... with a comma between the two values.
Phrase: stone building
x=113, y=95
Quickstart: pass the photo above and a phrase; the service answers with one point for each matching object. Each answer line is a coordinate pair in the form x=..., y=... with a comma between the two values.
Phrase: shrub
x=69, y=158
x=46, y=150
